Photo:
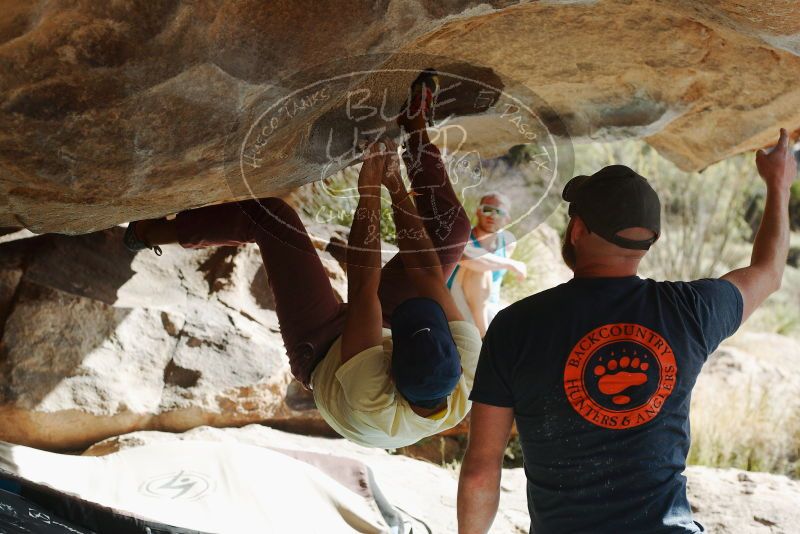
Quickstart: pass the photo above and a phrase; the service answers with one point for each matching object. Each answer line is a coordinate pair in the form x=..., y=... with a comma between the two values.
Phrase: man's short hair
x=497, y=195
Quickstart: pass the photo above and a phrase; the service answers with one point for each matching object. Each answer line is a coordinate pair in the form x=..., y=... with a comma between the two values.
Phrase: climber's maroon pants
x=311, y=317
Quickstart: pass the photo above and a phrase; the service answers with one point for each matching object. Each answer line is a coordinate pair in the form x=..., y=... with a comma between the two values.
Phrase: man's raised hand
x=777, y=165
x=771, y=244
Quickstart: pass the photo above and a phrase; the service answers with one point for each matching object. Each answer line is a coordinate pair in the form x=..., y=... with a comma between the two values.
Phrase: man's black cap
x=426, y=365
x=613, y=199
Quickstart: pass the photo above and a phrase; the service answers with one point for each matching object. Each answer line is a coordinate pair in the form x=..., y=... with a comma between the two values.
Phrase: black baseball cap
x=426, y=366
x=613, y=199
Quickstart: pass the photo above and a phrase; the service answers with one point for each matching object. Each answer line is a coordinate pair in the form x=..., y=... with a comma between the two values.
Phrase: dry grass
x=750, y=427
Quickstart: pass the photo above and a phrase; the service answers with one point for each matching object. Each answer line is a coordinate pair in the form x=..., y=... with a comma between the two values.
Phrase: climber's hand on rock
x=777, y=165
x=372, y=169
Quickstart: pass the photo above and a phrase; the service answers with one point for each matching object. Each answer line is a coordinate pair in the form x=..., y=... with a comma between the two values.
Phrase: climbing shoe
x=421, y=99
x=134, y=244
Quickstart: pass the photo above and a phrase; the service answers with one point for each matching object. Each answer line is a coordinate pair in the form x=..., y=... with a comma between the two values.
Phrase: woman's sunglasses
x=486, y=209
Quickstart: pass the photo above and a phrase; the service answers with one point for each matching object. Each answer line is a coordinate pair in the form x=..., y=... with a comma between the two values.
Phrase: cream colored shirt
x=359, y=400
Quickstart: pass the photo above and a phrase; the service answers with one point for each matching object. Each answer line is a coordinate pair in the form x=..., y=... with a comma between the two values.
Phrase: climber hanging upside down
x=396, y=362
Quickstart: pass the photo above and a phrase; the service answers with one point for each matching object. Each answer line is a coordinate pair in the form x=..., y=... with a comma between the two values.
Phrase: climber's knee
x=267, y=211
x=476, y=286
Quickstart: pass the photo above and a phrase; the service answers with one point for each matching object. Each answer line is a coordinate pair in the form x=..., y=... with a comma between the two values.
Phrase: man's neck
x=607, y=270
x=488, y=240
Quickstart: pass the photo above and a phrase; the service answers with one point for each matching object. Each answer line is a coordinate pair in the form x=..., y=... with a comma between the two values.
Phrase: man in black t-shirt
x=598, y=372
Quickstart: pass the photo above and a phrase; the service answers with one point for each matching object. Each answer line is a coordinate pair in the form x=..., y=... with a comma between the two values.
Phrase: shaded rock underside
x=111, y=112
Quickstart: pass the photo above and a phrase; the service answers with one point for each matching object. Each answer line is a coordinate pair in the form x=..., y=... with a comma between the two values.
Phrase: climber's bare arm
x=420, y=259
x=478, y=260
x=364, y=322
x=763, y=276
x=482, y=261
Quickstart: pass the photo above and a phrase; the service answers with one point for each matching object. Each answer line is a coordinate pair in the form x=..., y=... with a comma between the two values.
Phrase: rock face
x=724, y=500
x=729, y=501
x=97, y=341
x=111, y=112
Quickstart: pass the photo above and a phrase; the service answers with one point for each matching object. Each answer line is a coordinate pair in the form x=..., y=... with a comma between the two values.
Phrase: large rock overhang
x=111, y=112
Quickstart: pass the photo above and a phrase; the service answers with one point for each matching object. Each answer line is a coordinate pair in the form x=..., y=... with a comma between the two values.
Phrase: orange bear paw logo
x=618, y=375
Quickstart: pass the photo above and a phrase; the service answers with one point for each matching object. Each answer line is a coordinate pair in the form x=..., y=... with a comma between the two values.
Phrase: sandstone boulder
x=729, y=501
x=98, y=341
x=111, y=112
